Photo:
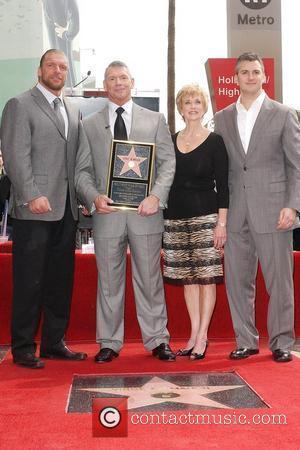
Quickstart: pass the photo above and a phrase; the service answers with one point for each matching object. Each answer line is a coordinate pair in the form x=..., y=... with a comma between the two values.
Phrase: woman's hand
x=220, y=236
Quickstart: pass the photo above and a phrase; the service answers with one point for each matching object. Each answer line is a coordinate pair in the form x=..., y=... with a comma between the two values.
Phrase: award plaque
x=130, y=173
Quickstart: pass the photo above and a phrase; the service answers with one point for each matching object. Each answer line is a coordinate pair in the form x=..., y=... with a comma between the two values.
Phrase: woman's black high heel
x=184, y=352
x=195, y=356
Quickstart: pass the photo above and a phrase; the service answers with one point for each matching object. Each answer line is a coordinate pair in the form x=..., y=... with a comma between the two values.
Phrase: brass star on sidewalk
x=131, y=162
x=158, y=390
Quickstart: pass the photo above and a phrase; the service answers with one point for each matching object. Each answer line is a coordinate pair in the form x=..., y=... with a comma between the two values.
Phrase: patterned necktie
x=120, y=129
x=59, y=116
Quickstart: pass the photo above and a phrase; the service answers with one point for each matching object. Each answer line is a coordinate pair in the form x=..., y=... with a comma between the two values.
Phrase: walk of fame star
x=172, y=392
x=131, y=162
x=158, y=390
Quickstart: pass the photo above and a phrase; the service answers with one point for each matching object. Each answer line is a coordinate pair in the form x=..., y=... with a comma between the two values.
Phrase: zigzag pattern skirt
x=189, y=253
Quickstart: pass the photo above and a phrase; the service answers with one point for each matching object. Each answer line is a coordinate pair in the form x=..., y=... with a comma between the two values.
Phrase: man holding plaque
x=130, y=146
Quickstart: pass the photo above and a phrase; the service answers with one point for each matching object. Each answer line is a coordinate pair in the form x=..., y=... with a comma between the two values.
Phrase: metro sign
x=255, y=4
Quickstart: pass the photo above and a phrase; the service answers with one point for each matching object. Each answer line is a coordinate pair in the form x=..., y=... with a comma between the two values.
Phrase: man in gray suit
x=262, y=138
x=40, y=135
x=115, y=229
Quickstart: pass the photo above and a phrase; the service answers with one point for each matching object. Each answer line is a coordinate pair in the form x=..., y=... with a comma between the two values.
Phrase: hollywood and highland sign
x=222, y=87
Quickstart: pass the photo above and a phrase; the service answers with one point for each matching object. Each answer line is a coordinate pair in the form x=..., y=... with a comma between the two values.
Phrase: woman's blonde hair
x=191, y=90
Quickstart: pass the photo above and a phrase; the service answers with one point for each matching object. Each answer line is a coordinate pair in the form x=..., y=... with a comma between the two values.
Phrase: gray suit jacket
x=92, y=168
x=38, y=159
x=267, y=177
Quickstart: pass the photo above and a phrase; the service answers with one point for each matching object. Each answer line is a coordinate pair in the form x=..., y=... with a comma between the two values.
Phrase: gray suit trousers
x=274, y=252
x=147, y=285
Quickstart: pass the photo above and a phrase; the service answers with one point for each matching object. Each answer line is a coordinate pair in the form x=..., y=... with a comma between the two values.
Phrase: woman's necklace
x=187, y=141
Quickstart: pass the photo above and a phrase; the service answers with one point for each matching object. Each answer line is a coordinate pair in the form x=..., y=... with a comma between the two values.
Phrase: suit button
x=245, y=168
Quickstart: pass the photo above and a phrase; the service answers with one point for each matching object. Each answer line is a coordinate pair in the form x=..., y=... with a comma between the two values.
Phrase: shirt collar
x=49, y=96
x=127, y=107
x=256, y=104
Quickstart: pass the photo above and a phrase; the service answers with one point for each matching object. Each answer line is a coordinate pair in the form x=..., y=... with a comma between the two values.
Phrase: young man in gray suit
x=115, y=229
x=262, y=138
x=40, y=136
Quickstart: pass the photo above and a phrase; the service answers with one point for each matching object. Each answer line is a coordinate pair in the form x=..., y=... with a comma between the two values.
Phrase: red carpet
x=83, y=315
x=33, y=403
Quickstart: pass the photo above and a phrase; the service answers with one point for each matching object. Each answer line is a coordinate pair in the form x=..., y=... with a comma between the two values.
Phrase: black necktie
x=59, y=116
x=120, y=129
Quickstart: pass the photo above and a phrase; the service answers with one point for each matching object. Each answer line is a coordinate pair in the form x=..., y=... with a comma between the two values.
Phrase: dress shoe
x=105, y=355
x=28, y=360
x=280, y=355
x=61, y=351
x=184, y=352
x=164, y=353
x=195, y=356
x=243, y=352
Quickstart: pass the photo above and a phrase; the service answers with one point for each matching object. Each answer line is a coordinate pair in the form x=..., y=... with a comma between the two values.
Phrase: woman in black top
x=195, y=220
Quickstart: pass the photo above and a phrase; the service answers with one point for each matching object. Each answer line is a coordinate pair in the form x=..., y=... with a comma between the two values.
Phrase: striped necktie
x=59, y=116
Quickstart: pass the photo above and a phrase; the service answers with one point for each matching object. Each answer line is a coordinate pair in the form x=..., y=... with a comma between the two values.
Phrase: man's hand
x=59, y=30
x=85, y=212
x=101, y=205
x=148, y=206
x=39, y=205
x=286, y=219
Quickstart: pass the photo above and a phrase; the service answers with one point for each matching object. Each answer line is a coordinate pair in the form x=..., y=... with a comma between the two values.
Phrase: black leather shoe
x=184, y=352
x=61, y=351
x=28, y=360
x=282, y=355
x=106, y=355
x=164, y=353
x=243, y=352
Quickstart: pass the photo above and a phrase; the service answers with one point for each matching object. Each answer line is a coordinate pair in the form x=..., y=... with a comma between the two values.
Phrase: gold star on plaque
x=131, y=162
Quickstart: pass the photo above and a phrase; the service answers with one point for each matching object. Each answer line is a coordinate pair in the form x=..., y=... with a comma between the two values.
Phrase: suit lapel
x=104, y=127
x=231, y=124
x=72, y=118
x=44, y=105
x=135, y=121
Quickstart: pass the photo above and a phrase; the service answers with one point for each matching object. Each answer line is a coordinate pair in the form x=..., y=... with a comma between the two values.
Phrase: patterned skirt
x=189, y=253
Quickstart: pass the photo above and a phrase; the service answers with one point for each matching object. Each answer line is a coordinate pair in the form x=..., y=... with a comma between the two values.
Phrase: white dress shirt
x=50, y=97
x=127, y=115
x=246, y=118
